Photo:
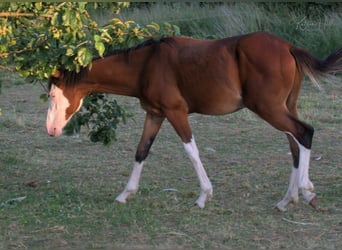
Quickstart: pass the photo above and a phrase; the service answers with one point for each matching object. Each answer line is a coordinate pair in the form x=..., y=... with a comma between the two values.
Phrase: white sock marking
x=205, y=184
x=299, y=179
x=132, y=184
x=291, y=195
x=304, y=161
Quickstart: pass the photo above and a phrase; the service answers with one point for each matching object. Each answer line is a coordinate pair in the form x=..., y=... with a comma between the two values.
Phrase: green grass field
x=59, y=192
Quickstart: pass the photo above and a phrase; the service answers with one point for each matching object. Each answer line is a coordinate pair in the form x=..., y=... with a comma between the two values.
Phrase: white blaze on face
x=56, y=116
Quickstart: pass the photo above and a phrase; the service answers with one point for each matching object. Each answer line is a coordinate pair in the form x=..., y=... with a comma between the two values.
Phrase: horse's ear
x=56, y=74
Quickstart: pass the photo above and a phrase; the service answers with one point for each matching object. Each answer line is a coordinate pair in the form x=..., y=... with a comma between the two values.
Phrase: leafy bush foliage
x=36, y=38
x=101, y=115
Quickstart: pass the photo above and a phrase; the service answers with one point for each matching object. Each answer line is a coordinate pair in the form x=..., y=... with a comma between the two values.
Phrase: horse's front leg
x=151, y=128
x=205, y=184
x=132, y=184
x=179, y=120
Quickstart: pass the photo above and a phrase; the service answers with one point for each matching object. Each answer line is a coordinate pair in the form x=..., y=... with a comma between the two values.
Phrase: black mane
x=70, y=78
x=149, y=42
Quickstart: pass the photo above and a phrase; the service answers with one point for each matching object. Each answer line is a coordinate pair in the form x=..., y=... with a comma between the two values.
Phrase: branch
x=7, y=68
x=5, y=55
x=17, y=14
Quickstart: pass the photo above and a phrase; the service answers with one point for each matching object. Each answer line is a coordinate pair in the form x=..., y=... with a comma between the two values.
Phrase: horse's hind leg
x=151, y=128
x=300, y=138
x=299, y=178
x=291, y=195
x=301, y=170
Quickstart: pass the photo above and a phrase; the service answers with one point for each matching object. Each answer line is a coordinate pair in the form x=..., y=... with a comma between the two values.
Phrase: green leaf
x=100, y=47
x=69, y=52
x=55, y=19
x=154, y=26
x=38, y=6
x=176, y=30
x=82, y=5
x=84, y=56
x=70, y=38
x=67, y=18
x=97, y=38
x=14, y=6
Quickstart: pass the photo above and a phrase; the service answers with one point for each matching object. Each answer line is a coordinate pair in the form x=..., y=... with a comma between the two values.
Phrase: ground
x=59, y=192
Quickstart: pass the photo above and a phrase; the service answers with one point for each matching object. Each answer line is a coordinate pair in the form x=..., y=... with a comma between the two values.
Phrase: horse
x=175, y=76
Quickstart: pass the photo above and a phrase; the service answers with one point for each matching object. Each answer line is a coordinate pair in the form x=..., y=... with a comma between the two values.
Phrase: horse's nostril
x=52, y=133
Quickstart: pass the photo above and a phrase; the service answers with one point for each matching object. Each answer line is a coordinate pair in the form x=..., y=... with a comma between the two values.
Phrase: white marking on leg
x=205, y=184
x=304, y=182
x=304, y=161
x=132, y=184
x=291, y=195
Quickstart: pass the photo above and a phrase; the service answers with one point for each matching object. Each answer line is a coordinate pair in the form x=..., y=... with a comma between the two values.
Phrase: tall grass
x=315, y=27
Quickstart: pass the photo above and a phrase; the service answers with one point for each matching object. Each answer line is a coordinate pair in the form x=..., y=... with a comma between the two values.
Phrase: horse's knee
x=304, y=133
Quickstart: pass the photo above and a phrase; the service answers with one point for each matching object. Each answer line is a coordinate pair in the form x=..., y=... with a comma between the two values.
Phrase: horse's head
x=65, y=100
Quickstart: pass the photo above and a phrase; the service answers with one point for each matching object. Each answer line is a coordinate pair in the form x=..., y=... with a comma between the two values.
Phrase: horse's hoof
x=314, y=203
x=199, y=204
x=120, y=200
x=280, y=208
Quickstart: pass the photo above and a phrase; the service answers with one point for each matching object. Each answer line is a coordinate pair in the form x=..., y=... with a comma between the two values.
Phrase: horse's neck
x=115, y=75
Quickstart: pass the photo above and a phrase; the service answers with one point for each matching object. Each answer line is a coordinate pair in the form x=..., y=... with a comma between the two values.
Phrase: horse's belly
x=219, y=103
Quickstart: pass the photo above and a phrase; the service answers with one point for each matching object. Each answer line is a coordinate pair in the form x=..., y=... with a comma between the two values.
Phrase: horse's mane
x=150, y=42
x=70, y=78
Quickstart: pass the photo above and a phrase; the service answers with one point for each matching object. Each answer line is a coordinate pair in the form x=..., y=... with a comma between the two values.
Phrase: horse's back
x=211, y=76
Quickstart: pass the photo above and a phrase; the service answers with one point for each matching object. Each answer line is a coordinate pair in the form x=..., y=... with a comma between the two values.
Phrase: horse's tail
x=315, y=68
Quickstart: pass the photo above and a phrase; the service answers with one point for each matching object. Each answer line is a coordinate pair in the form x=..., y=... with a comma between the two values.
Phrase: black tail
x=315, y=68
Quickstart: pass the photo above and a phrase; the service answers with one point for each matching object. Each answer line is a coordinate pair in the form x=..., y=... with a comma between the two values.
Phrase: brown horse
x=173, y=77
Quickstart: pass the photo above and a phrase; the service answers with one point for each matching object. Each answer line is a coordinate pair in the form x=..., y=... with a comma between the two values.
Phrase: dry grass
x=59, y=193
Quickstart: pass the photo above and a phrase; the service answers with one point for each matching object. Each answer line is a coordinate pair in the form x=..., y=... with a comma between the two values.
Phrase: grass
x=305, y=25
x=59, y=192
